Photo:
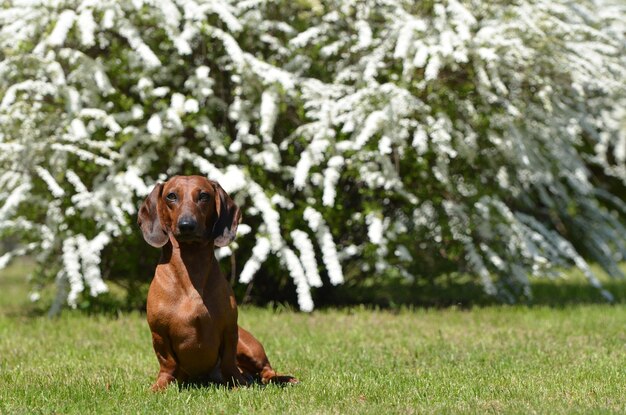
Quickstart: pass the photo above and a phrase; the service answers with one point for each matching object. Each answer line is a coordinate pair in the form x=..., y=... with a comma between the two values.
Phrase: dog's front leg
x=228, y=365
x=169, y=371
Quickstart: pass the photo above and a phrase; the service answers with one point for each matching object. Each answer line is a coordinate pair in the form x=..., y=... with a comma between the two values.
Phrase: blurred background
x=382, y=152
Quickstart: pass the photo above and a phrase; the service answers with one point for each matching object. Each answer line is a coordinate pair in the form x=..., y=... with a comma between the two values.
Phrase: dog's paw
x=282, y=380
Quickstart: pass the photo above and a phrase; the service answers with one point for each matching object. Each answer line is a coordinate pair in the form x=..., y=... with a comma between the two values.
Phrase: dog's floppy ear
x=228, y=217
x=148, y=219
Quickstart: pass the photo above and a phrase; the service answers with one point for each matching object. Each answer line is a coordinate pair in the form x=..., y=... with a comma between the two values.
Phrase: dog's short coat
x=191, y=310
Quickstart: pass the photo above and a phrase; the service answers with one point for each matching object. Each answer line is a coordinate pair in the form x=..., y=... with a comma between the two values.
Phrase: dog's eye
x=204, y=197
x=171, y=197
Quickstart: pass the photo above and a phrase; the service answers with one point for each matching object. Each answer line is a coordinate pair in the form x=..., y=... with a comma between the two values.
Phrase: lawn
x=569, y=359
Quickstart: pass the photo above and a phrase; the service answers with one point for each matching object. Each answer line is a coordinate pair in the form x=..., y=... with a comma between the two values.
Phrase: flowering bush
x=384, y=137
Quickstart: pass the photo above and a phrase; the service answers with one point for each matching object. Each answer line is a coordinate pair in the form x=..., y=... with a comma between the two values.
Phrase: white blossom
x=259, y=255
x=73, y=178
x=17, y=196
x=331, y=176
x=269, y=112
x=5, y=259
x=145, y=53
x=108, y=18
x=307, y=257
x=373, y=123
x=432, y=68
x=270, y=216
x=87, y=27
x=63, y=25
x=325, y=239
x=178, y=103
x=55, y=189
x=364, y=35
x=302, y=287
x=71, y=264
x=78, y=129
x=420, y=141
x=375, y=228
x=154, y=126
x=90, y=260
x=191, y=106
x=302, y=170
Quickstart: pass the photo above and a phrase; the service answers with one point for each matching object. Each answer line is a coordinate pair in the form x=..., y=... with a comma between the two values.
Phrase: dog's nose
x=187, y=225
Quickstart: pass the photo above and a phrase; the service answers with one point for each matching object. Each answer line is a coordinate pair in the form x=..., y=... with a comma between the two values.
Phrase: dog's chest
x=193, y=321
x=196, y=336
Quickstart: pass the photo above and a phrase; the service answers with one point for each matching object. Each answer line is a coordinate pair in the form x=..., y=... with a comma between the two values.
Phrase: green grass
x=496, y=359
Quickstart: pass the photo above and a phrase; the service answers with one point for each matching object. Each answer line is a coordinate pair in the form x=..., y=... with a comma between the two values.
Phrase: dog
x=191, y=309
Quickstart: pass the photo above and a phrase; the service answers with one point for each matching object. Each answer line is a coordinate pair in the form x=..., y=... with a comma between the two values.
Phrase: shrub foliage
x=363, y=139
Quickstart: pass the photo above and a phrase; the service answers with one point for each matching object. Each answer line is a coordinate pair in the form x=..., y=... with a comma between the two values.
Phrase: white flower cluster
x=307, y=257
x=478, y=131
x=325, y=240
x=259, y=254
x=299, y=278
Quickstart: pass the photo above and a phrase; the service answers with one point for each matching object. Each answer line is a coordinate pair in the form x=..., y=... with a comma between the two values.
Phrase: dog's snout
x=187, y=225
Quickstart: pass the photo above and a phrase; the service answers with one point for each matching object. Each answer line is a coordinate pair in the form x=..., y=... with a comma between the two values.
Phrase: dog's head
x=191, y=209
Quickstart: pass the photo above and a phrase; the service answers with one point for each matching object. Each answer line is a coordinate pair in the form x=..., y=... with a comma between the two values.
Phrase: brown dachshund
x=192, y=310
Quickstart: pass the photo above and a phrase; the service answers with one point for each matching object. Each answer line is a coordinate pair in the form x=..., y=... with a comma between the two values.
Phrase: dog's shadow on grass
x=253, y=383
